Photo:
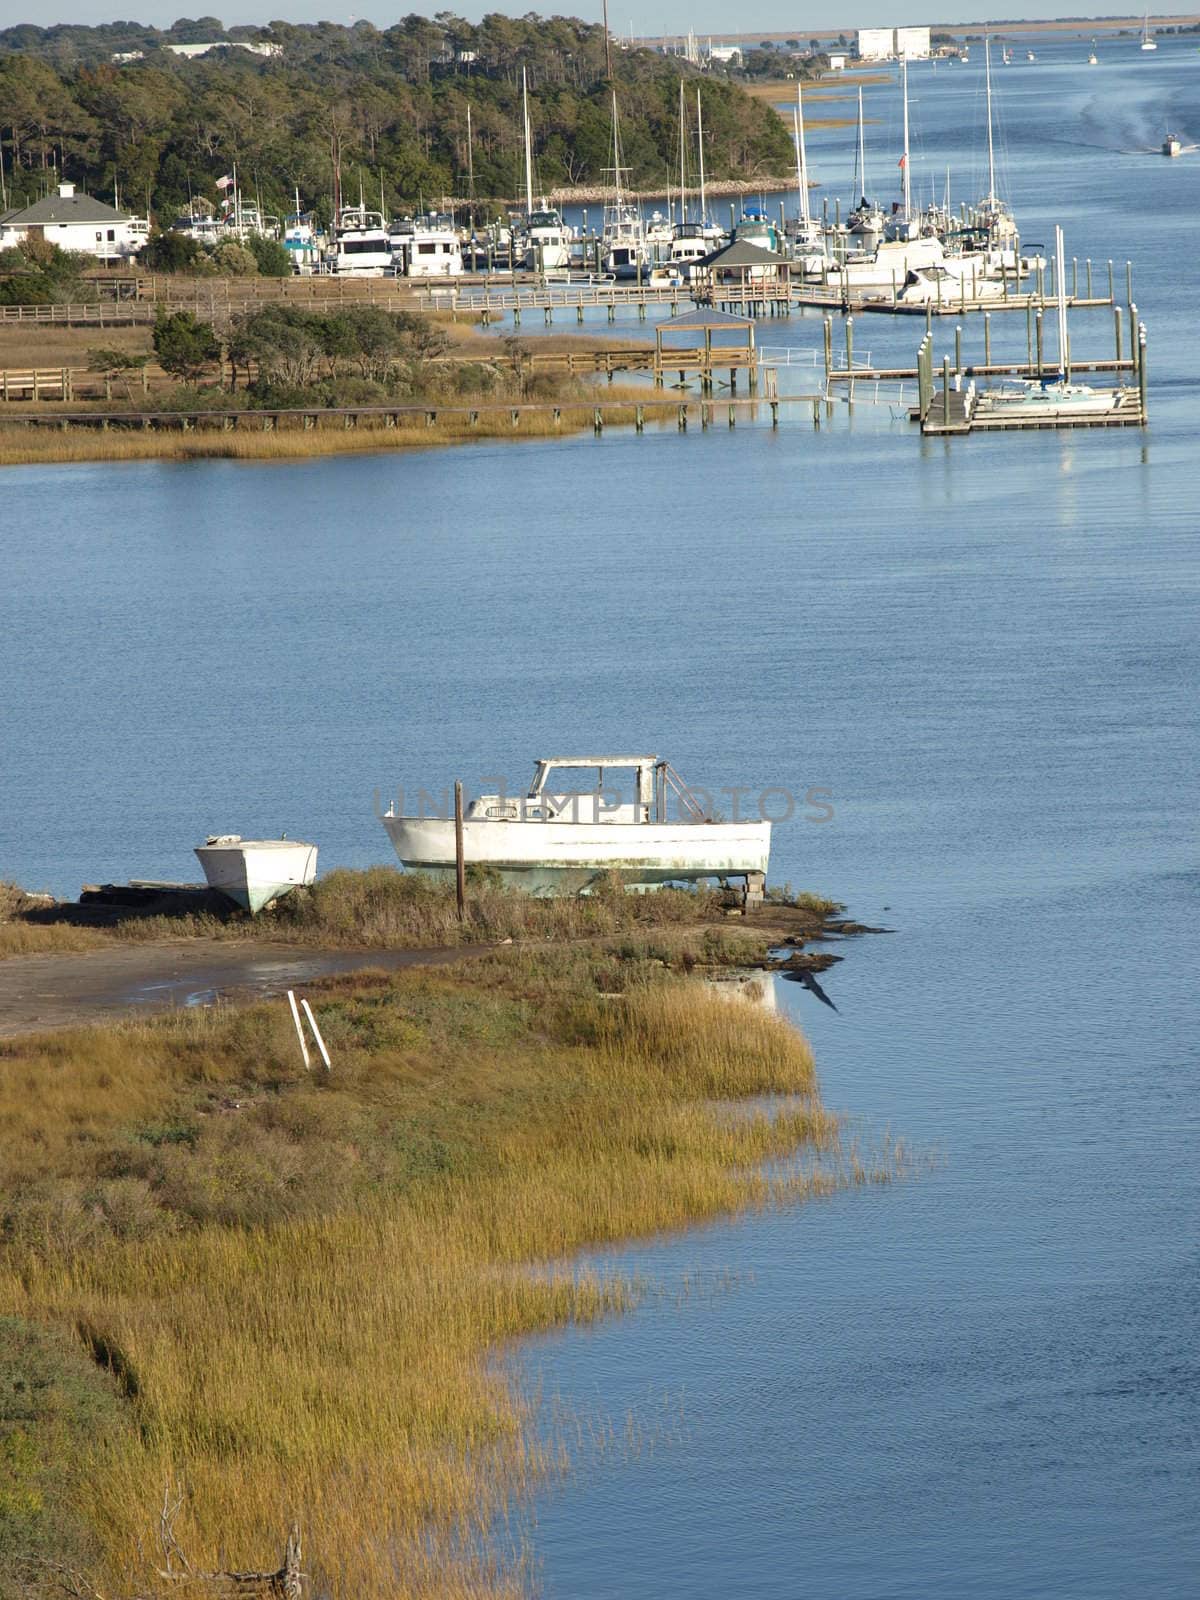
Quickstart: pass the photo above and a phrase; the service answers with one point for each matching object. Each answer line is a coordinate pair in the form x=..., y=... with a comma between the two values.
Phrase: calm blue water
x=983, y=1380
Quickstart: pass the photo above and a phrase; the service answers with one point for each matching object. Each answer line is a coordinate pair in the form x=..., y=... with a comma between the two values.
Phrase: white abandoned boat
x=548, y=842
x=252, y=872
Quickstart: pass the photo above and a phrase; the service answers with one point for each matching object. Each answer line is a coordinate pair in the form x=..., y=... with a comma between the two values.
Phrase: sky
x=659, y=16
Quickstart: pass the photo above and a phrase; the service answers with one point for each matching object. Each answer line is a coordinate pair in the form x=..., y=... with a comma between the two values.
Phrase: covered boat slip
x=562, y=841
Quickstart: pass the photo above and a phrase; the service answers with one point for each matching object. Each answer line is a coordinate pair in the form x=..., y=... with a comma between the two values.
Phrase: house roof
x=743, y=254
x=58, y=208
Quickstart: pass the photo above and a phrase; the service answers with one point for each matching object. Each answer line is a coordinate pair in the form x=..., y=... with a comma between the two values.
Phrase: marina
x=916, y=598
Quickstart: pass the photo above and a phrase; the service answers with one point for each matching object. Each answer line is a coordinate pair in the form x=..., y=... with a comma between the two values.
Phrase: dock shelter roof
x=741, y=253
x=697, y=321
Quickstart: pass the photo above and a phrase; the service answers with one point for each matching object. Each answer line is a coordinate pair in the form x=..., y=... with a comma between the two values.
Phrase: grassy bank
x=296, y=1280
x=378, y=908
x=42, y=445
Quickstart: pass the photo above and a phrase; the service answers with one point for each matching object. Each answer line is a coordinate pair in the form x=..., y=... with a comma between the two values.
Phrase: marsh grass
x=376, y=908
x=298, y=1280
x=20, y=446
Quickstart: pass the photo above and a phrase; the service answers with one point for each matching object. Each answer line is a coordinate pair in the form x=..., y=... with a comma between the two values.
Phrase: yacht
x=425, y=247
x=755, y=227
x=361, y=247
x=1148, y=41
x=659, y=232
x=547, y=240
x=302, y=241
x=1172, y=145
x=559, y=838
x=690, y=243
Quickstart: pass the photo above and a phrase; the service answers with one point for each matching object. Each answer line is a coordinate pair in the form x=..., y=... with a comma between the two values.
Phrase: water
x=981, y=1380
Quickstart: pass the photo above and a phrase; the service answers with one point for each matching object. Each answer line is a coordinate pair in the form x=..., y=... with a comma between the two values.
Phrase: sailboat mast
x=470, y=166
x=862, y=151
x=907, y=189
x=616, y=155
x=987, y=74
x=1060, y=283
x=700, y=147
x=528, y=148
x=682, y=159
x=801, y=157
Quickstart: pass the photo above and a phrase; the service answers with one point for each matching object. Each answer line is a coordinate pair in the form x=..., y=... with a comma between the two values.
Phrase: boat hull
x=568, y=858
x=253, y=873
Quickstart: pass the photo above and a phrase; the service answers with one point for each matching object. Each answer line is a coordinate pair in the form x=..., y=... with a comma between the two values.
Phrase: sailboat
x=547, y=245
x=866, y=223
x=623, y=241
x=1148, y=41
x=1056, y=394
x=690, y=241
x=901, y=224
x=1093, y=58
x=808, y=241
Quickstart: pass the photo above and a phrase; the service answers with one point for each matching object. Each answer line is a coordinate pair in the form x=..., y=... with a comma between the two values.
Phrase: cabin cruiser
x=425, y=247
x=361, y=248
x=755, y=227
x=201, y=225
x=1172, y=145
x=302, y=242
x=659, y=234
x=636, y=819
x=690, y=243
x=625, y=252
x=547, y=240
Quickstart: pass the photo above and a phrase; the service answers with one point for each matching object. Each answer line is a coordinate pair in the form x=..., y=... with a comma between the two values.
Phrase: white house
x=729, y=54
x=76, y=222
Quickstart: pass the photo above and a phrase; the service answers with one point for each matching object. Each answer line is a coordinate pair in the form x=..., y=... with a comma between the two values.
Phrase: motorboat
x=253, y=872
x=1172, y=145
x=361, y=247
x=636, y=819
x=547, y=240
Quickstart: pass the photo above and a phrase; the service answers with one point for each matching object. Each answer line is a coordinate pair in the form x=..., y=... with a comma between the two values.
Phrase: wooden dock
x=970, y=410
x=596, y=414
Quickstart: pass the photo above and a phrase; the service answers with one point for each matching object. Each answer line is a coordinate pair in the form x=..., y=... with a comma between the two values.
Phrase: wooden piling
x=460, y=868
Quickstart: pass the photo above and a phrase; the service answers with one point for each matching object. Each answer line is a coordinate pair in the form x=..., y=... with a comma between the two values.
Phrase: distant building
x=875, y=44
x=727, y=54
x=884, y=44
x=257, y=48
x=912, y=44
x=837, y=63
x=75, y=222
x=122, y=56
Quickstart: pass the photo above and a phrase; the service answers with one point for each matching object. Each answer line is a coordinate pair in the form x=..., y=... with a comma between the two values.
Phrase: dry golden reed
x=298, y=1278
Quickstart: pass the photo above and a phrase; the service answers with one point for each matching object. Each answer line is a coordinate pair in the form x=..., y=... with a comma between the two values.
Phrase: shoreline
x=47, y=445
x=479, y=1128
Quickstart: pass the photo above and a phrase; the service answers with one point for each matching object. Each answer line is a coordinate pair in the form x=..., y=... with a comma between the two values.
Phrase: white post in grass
x=299, y=1029
x=312, y=1022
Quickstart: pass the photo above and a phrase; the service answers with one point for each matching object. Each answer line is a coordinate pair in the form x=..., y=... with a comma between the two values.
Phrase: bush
x=170, y=252
x=36, y=273
x=185, y=346
x=273, y=260
x=235, y=260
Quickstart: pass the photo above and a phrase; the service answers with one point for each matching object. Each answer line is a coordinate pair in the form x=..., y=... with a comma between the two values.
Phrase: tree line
x=380, y=109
